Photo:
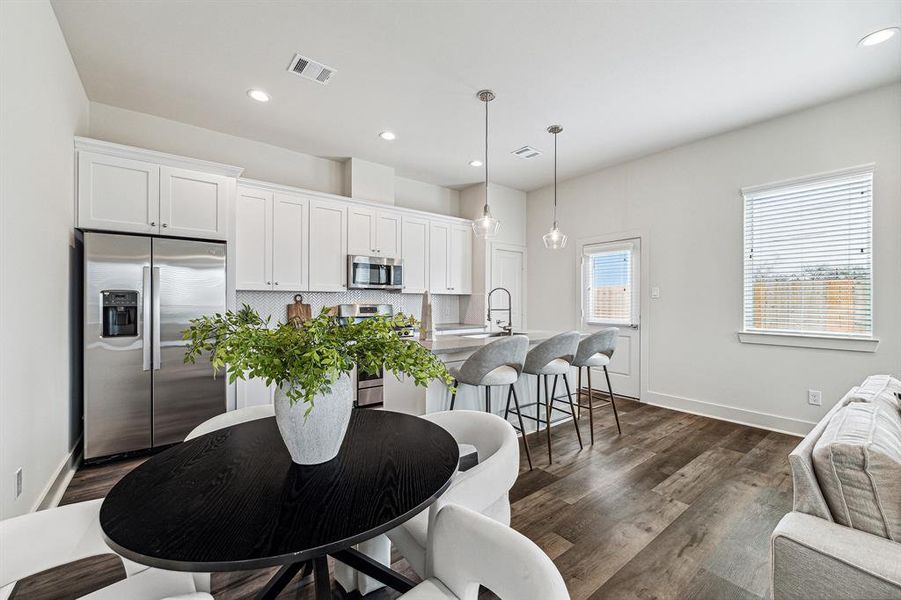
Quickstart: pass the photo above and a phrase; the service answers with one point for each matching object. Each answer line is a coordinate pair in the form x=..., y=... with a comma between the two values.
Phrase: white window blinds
x=808, y=256
x=610, y=276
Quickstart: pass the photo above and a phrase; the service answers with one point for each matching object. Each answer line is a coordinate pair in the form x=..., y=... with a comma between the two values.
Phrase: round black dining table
x=233, y=500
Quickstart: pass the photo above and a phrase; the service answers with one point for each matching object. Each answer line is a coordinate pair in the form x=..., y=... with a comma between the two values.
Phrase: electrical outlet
x=18, y=482
x=815, y=397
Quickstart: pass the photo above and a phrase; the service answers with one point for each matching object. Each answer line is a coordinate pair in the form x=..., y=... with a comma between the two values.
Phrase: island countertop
x=458, y=345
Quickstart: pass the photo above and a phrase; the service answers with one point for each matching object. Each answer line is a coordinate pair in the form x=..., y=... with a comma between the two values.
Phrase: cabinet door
x=253, y=239
x=415, y=255
x=439, y=257
x=289, y=242
x=388, y=234
x=194, y=204
x=328, y=246
x=461, y=259
x=361, y=231
x=118, y=194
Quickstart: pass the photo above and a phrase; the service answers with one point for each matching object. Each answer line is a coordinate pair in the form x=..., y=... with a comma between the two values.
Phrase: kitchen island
x=403, y=396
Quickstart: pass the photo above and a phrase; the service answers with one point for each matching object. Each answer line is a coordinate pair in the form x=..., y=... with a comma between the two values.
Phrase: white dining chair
x=471, y=550
x=232, y=417
x=49, y=538
x=484, y=488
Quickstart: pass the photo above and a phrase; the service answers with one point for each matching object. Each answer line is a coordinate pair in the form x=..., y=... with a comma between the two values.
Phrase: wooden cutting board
x=298, y=312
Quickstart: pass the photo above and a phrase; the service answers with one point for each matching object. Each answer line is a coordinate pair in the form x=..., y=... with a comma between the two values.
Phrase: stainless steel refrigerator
x=139, y=294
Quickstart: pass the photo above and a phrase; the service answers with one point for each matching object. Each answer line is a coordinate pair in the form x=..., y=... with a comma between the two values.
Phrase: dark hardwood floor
x=678, y=506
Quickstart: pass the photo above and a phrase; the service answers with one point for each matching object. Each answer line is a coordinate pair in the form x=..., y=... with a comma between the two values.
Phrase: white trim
x=798, y=340
x=53, y=492
x=806, y=179
x=278, y=187
x=163, y=158
x=504, y=246
x=722, y=412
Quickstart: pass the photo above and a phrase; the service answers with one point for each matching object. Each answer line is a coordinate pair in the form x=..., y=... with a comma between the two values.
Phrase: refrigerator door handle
x=156, y=318
x=145, y=316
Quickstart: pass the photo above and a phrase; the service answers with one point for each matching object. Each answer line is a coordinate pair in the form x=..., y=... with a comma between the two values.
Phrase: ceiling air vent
x=310, y=69
x=526, y=152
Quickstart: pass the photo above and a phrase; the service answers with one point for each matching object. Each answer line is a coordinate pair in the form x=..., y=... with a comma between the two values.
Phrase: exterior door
x=508, y=270
x=188, y=282
x=611, y=298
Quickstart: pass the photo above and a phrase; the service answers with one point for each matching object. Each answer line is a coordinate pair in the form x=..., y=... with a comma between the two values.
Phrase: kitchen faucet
x=508, y=328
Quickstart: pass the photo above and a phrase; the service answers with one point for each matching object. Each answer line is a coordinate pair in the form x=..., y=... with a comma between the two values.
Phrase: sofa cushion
x=857, y=461
x=879, y=388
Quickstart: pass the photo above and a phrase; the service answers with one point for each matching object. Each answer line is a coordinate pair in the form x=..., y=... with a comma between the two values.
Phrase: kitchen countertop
x=452, y=326
x=461, y=344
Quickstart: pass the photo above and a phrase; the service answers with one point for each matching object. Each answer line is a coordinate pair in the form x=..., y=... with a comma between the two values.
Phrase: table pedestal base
x=319, y=567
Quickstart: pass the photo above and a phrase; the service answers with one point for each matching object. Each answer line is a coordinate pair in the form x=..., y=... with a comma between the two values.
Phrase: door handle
x=145, y=316
x=156, y=318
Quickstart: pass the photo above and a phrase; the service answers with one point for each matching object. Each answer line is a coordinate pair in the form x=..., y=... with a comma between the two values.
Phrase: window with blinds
x=610, y=276
x=808, y=256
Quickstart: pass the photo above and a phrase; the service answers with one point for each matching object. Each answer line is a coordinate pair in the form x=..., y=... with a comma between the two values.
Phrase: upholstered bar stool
x=498, y=363
x=596, y=351
x=552, y=357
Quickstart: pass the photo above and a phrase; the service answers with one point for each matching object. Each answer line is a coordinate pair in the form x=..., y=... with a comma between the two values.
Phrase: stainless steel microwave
x=374, y=273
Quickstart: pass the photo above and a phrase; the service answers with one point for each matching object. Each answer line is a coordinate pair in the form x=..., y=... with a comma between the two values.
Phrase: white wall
x=508, y=205
x=365, y=180
x=687, y=202
x=42, y=105
x=410, y=193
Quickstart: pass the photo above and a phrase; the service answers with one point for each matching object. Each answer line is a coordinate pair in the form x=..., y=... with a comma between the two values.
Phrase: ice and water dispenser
x=120, y=313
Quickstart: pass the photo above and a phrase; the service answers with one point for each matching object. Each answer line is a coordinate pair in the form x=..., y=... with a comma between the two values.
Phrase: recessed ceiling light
x=388, y=135
x=877, y=37
x=258, y=95
x=475, y=163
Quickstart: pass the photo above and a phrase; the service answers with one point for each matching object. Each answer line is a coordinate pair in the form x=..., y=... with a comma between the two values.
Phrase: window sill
x=825, y=342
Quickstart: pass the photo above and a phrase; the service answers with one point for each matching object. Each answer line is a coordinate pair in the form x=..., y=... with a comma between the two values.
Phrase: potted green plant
x=310, y=364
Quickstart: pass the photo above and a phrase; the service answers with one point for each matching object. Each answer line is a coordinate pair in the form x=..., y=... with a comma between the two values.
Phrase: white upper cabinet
x=328, y=246
x=193, y=204
x=388, y=234
x=253, y=239
x=118, y=194
x=127, y=189
x=439, y=258
x=361, y=231
x=415, y=254
x=373, y=232
x=289, y=242
x=461, y=259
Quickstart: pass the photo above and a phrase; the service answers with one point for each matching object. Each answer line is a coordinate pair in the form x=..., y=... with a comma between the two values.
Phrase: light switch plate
x=655, y=293
x=815, y=397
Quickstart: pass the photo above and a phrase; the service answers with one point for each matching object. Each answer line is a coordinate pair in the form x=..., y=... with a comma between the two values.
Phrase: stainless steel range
x=370, y=386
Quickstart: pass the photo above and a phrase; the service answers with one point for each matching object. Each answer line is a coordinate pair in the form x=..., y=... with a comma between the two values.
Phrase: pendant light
x=486, y=226
x=554, y=239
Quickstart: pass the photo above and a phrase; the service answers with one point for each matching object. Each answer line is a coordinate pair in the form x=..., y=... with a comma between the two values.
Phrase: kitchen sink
x=490, y=334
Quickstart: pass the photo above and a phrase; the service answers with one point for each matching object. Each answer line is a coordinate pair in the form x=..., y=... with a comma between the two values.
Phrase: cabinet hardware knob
x=276, y=283
x=153, y=223
x=165, y=224
x=268, y=283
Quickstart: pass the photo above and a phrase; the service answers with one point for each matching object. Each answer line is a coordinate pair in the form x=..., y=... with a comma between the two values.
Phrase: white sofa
x=843, y=537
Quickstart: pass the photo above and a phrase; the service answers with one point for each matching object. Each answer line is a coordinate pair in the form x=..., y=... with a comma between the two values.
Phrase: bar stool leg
x=507, y=409
x=487, y=398
x=572, y=410
x=522, y=427
x=612, y=401
x=454, y=395
x=547, y=404
x=590, y=405
x=579, y=390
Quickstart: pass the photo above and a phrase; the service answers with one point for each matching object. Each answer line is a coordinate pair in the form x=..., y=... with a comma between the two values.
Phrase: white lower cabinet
x=328, y=246
x=271, y=247
x=253, y=392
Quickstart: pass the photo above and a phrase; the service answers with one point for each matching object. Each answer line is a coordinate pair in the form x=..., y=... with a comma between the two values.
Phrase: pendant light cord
x=555, y=181
x=485, y=208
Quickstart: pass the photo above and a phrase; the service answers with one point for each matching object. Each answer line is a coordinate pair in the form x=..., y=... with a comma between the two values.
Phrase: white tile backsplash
x=446, y=309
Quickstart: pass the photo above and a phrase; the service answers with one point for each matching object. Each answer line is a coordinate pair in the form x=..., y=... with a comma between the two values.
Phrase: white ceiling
x=623, y=78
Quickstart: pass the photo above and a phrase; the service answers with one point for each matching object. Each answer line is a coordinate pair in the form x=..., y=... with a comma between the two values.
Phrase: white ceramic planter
x=316, y=438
